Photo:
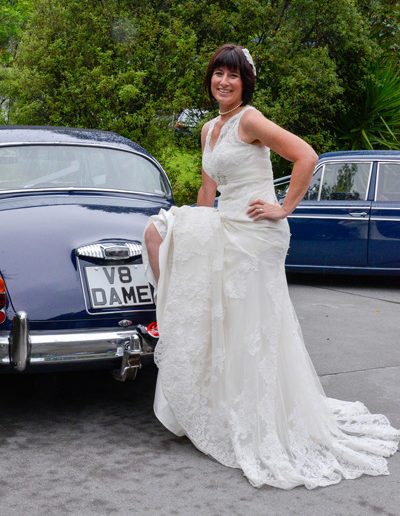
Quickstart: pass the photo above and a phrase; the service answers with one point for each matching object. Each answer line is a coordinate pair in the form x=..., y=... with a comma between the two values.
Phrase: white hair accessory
x=249, y=59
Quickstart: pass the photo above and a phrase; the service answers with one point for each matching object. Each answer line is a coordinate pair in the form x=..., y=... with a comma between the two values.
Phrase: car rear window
x=73, y=166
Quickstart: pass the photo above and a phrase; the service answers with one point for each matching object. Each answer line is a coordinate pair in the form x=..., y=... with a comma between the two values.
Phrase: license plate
x=117, y=286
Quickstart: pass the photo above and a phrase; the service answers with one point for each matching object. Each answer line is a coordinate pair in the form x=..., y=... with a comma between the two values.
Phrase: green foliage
x=133, y=65
x=13, y=15
x=377, y=125
x=183, y=169
x=384, y=23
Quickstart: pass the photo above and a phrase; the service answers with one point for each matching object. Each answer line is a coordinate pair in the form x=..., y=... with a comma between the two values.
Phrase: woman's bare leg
x=153, y=241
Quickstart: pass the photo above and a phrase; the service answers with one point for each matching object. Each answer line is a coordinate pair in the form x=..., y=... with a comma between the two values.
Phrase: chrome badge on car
x=110, y=250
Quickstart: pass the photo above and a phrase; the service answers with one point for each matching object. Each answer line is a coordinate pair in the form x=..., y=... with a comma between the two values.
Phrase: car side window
x=345, y=181
x=388, y=188
x=313, y=189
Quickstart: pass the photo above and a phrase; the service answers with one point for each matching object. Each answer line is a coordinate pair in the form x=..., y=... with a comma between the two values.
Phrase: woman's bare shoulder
x=205, y=127
x=256, y=125
x=253, y=125
x=204, y=131
x=252, y=115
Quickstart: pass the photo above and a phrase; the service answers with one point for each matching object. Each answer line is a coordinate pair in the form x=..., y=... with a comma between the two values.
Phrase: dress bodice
x=242, y=171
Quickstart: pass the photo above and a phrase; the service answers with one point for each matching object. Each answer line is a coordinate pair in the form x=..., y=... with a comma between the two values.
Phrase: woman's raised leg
x=153, y=241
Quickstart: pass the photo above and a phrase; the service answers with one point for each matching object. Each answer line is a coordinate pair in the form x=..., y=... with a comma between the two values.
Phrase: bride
x=234, y=374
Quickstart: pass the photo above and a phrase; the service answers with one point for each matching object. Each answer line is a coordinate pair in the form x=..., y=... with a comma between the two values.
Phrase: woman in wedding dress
x=234, y=374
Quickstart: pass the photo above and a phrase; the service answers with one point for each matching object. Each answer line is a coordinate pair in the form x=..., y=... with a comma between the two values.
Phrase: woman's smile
x=226, y=87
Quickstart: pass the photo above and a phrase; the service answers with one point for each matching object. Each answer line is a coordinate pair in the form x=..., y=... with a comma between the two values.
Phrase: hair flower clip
x=249, y=59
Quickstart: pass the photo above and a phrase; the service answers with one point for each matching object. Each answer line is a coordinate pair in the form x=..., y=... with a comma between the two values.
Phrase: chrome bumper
x=22, y=348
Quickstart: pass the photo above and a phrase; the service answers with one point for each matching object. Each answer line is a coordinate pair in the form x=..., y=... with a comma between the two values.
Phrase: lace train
x=234, y=374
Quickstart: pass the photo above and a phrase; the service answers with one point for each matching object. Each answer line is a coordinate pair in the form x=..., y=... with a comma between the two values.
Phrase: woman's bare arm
x=255, y=128
x=208, y=189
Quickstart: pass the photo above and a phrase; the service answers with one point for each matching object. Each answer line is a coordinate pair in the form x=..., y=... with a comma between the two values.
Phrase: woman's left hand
x=259, y=210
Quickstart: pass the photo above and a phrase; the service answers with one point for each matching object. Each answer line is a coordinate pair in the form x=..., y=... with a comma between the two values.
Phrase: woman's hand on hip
x=260, y=210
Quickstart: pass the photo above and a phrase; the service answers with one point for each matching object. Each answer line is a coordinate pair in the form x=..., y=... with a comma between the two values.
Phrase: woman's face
x=226, y=86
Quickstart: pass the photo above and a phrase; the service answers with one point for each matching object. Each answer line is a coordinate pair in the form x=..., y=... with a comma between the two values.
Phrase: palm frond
x=377, y=123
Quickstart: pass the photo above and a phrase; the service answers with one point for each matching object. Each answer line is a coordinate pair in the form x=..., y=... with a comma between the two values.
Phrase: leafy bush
x=183, y=167
x=132, y=66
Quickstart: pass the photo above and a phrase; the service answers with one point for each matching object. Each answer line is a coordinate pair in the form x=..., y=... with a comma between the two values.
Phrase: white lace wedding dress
x=234, y=374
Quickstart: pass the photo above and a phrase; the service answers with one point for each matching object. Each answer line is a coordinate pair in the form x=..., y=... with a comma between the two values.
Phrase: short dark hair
x=233, y=58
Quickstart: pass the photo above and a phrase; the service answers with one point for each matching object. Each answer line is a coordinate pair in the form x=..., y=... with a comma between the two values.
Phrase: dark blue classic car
x=73, y=206
x=349, y=219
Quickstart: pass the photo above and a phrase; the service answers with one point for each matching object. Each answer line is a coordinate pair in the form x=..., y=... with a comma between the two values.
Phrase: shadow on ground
x=75, y=391
x=345, y=280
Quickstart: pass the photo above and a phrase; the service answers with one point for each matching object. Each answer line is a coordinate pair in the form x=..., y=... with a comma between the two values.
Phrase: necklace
x=230, y=110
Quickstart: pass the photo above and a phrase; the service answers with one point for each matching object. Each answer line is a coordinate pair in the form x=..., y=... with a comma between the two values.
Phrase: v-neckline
x=222, y=128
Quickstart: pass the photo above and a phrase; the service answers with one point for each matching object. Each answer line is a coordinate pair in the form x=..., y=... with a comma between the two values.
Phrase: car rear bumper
x=22, y=348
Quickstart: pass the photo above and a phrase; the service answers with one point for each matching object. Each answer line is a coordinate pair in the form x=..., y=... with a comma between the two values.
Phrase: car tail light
x=2, y=301
x=152, y=329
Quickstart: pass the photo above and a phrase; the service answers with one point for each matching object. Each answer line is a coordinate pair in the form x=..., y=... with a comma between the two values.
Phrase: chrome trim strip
x=321, y=180
x=333, y=217
x=82, y=189
x=369, y=180
x=78, y=144
x=386, y=219
x=341, y=267
x=282, y=180
x=358, y=159
x=65, y=347
x=384, y=207
x=323, y=207
x=102, y=145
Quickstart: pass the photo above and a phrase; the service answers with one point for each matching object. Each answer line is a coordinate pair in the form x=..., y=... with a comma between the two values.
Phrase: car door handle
x=358, y=213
